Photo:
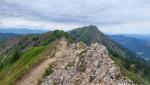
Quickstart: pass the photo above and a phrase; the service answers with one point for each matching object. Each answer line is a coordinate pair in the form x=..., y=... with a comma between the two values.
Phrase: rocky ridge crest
x=78, y=64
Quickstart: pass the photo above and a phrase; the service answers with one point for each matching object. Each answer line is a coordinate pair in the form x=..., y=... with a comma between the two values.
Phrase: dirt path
x=35, y=74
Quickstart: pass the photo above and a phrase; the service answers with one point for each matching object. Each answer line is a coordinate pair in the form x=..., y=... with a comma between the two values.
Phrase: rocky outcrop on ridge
x=78, y=64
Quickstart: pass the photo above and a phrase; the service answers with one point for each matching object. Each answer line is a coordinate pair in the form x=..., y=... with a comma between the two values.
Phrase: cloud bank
x=111, y=16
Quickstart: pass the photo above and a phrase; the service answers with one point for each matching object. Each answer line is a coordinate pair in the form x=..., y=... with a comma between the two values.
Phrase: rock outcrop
x=82, y=65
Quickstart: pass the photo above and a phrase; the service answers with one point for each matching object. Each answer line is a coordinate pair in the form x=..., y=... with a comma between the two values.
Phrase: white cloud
x=131, y=28
x=46, y=25
x=117, y=16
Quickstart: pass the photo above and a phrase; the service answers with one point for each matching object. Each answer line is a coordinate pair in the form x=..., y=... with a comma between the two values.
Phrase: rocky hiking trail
x=35, y=74
x=77, y=64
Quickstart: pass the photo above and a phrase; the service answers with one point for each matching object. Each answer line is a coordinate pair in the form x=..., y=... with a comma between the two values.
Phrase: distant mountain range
x=139, y=36
x=137, y=43
x=6, y=36
x=21, y=30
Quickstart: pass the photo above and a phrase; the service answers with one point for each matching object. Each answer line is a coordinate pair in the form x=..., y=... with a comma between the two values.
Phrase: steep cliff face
x=78, y=64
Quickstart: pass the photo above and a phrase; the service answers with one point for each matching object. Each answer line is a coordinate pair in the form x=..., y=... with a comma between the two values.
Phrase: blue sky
x=111, y=16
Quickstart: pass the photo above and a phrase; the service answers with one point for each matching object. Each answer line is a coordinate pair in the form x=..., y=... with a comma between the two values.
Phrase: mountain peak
x=87, y=34
x=91, y=28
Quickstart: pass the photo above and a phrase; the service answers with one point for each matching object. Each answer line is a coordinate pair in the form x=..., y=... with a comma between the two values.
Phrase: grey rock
x=84, y=65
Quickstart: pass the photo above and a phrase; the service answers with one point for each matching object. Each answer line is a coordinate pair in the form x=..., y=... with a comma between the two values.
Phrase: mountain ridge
x=124, y=57
x=27, y=50
x=136, y=45
x=96, y=36
x=79, y=64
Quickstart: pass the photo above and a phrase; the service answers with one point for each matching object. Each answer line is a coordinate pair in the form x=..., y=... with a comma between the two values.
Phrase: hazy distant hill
x=139, y=36
x=6, y=36
x=20, y=30
x=139, y=46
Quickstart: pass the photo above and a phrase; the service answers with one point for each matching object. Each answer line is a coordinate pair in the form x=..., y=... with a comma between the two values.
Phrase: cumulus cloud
x=116, y=16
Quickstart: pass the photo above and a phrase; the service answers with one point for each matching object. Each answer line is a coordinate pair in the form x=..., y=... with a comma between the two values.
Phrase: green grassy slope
x=27, y=59
x=23, y=53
